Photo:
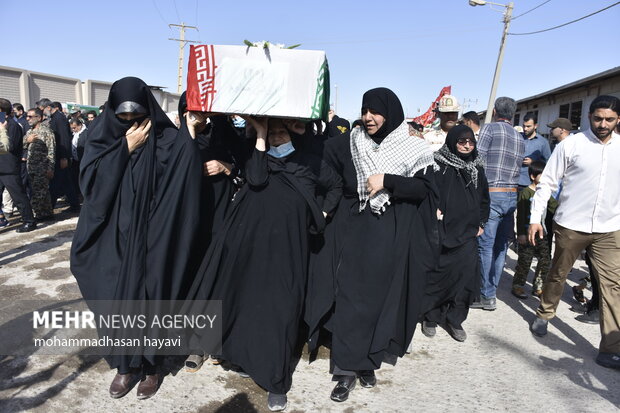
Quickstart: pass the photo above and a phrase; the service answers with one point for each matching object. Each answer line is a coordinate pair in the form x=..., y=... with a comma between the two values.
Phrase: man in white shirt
x=588, y=165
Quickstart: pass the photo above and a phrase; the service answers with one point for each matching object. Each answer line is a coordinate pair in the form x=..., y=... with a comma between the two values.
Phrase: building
x=570, y=101
x=26, y=87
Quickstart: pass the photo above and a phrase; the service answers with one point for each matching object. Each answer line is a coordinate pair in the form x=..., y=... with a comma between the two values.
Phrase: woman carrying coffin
x=134, y=240
x=257, y=264
x=382, y=240
x=464, y=203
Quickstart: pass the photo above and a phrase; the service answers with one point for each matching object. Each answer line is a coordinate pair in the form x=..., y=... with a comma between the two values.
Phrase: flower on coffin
x=266, y=44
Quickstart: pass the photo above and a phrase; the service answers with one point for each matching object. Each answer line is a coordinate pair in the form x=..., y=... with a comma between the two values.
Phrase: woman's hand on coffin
x=196, y=122
x=259, y=125
x=295, y=125
x=137, y=134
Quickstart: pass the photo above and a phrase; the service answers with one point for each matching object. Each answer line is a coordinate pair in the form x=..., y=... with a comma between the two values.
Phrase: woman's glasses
x=463, y=141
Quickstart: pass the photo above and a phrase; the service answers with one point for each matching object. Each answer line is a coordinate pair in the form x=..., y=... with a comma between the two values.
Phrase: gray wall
x=26, y=87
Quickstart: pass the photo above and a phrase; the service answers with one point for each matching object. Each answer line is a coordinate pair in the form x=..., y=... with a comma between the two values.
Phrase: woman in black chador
x=464, y=204
x=257, y=264
x=140, y=178
x=367, y=283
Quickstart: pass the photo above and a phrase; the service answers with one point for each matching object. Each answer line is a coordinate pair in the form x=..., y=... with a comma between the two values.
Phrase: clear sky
x=414, y=47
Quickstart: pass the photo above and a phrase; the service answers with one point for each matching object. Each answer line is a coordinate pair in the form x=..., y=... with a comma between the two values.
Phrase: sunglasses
x=463, y=141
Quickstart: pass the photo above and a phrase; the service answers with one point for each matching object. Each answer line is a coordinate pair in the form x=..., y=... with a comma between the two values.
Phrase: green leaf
x=248, y=43
x=294, y=46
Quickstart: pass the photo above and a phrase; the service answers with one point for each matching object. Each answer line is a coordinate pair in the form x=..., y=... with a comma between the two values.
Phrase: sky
x=413, y=47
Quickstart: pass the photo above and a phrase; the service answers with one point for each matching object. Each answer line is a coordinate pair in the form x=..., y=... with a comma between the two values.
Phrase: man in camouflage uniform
x=448, y=112
x=40, y=145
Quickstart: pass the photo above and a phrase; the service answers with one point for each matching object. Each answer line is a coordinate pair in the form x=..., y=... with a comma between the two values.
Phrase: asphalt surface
x=500, y=367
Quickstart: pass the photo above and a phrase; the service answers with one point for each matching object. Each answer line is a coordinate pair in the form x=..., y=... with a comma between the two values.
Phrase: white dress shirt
x=590, y=175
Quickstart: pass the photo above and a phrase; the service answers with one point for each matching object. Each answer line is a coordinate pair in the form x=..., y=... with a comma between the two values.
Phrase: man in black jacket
x=10, y=168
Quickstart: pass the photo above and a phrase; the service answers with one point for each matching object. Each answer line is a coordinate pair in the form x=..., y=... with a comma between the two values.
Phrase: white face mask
x=282, y=150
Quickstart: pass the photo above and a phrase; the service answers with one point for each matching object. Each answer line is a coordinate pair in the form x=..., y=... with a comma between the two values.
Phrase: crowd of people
x=41, y=160
x=341, y=235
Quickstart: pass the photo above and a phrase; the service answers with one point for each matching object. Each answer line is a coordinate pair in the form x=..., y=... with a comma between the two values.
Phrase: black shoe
x=457, y=333
x=343, y=388
x=27, y=227
x=539, y=327
x=591, y=317
x=609, y=360
x=488, y=304
x=429, y=329
x=367, y=378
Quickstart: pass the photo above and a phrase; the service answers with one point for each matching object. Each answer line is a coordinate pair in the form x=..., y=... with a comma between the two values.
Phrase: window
x=572, y=112
x=517, y=119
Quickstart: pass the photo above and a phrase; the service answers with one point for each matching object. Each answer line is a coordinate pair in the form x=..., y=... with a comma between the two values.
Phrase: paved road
x=501, y=366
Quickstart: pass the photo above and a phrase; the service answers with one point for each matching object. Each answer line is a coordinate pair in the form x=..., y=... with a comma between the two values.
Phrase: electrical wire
x=566, y=24
x=523, y=14
x=177, y=11
x=159, y=12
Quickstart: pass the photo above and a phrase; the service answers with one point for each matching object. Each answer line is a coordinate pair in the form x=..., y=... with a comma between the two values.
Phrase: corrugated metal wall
x=53, y=88
x=57, y=88
x=9, y=85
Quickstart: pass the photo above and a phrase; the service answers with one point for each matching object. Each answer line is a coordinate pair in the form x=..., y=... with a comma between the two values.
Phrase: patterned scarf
x=446, y=157
x=398, y=154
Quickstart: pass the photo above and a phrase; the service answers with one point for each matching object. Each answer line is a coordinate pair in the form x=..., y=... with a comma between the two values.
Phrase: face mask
x=239, y=122
x=282, y=150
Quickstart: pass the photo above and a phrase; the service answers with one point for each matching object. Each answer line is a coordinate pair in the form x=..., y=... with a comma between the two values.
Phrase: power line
x=566, y=24
x=196, y=14
x=159, y=12
x=523, y=14
x=176, y=10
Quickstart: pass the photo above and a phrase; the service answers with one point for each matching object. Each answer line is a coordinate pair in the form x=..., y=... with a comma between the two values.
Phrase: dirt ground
x=501, y=366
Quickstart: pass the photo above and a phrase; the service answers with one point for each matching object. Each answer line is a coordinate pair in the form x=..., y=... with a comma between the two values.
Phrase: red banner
x=201, y=78
x=430, y=115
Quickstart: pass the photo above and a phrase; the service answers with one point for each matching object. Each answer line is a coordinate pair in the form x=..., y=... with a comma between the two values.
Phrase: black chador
x=218, y=141
x=367, y=283
x=464, y=203
x=137, y=226
x=257, y=263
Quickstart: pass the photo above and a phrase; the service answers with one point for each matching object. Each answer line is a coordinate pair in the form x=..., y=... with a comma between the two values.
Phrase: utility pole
x=182, y=42
x=500, y=58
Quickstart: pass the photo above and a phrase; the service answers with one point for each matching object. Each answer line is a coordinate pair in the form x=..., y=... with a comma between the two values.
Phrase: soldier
x=40, y=146
x=448, y=111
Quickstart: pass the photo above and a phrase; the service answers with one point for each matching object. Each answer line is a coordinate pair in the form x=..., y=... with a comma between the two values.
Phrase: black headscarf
x=386, y=103
x=456, y=133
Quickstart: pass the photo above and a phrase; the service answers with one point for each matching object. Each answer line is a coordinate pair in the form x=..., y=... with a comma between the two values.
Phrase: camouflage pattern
x=40, y=160
x=526, y=254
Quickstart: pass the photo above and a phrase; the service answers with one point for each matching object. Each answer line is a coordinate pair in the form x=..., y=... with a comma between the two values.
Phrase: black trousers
x=14, y=184
x=62, y=184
